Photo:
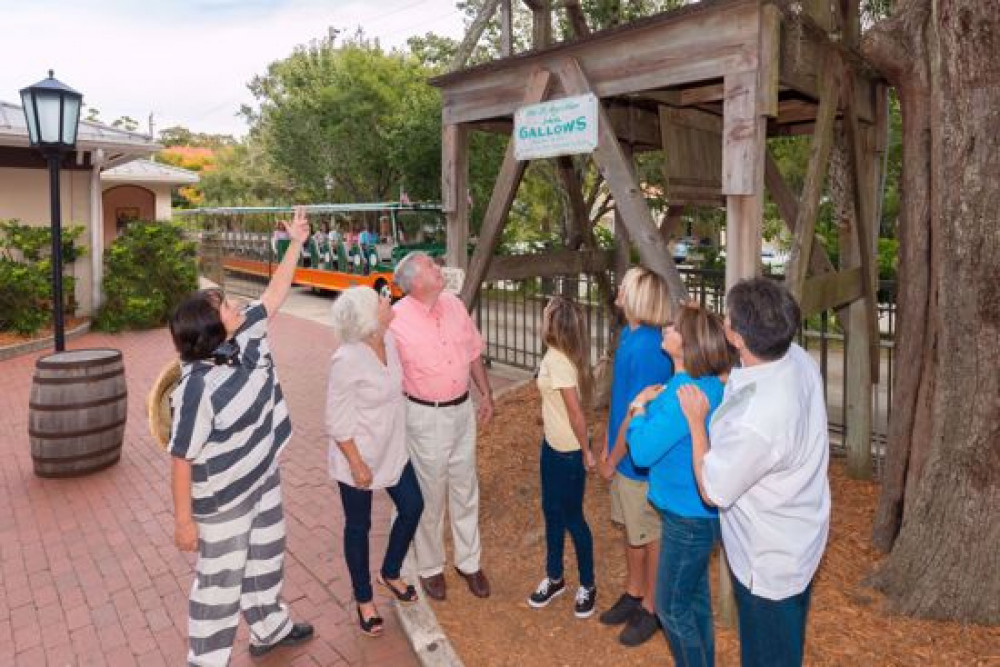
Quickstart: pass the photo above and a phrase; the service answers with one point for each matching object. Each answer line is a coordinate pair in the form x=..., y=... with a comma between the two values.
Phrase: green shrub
x=26, y=275
x=148, y=270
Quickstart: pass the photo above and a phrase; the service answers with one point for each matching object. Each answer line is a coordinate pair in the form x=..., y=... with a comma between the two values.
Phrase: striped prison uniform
x=231, y=423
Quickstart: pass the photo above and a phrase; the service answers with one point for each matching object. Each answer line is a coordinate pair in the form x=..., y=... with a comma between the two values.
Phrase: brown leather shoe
x=479, y=585
x=434, y=586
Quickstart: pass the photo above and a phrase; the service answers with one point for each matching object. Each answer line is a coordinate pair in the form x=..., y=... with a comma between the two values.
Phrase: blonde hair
x=645, y=297
x=354, y=315
x=564, y=328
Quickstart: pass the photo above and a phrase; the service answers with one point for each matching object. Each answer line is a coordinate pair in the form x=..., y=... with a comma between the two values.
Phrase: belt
x=440, y=404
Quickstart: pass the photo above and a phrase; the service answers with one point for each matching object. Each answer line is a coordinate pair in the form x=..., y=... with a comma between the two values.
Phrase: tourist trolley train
x=350, y=244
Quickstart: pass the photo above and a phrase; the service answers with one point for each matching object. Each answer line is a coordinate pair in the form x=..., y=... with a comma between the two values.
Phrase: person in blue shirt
x=658, y=437
x=639, y=362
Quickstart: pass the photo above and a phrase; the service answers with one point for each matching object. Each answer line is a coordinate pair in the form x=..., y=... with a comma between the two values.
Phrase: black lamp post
x=52, y=112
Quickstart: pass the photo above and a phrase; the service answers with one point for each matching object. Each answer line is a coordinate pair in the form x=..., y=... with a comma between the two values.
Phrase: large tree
x=939, y=513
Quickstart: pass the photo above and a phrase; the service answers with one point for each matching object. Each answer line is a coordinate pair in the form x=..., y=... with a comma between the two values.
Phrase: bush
x=26, y=275
x=148, y=270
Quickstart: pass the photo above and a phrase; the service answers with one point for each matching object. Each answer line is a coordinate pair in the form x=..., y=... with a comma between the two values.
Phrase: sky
x=187, y=62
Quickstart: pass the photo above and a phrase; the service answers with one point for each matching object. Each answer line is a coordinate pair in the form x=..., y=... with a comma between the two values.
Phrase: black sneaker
x=301, y=632
x=586, y=598
x=639, y=628
x=546, y=590
x=620, y=611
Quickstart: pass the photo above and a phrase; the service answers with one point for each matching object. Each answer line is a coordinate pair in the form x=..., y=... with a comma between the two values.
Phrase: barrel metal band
x=78, y=379
x=79, y=457
x=41, y=407
x=75, y=434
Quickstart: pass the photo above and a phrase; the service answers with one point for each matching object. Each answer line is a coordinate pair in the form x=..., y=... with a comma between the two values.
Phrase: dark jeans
x=772, y=632
x=682, y=598
x=563, y=483
x=358, y=521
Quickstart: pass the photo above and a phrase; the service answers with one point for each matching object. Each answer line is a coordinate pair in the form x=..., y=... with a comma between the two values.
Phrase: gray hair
x=354, y=315
x=406, y=270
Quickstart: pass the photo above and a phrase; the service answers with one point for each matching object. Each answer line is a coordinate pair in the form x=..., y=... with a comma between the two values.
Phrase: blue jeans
x=358, y=521
x=563, y=483
x=772, y=632
x=682, y=598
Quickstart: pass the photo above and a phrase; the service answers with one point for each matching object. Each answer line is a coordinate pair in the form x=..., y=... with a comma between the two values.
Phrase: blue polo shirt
x=639, y=362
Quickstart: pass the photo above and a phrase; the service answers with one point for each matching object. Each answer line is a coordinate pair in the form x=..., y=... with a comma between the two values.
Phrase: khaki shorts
x=630, y=507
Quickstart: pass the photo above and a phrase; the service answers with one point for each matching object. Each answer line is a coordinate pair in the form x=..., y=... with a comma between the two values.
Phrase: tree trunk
x=937, y=514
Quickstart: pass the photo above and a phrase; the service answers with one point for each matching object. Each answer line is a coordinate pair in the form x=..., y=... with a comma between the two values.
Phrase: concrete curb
x=17, y=349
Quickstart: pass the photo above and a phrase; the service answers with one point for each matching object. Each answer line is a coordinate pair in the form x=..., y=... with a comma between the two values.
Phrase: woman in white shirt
x=766, y=471
x=366, y=422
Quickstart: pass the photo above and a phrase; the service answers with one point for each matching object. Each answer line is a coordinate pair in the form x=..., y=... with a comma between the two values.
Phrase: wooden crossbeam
x=831, y=290
x=504, y=190
x=819, y=158
x=619, y=173
x=557, y=263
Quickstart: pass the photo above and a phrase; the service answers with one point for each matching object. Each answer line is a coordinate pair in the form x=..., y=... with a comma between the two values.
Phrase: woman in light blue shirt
x=659, y=438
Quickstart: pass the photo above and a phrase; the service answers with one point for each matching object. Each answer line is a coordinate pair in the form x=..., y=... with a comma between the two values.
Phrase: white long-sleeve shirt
x=767, y=472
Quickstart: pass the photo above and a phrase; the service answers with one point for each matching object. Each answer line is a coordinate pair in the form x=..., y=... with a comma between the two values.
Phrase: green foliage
x=148, y=270
x=888, y=258
x=181, y=136
x=25, y=296
x=26, y=274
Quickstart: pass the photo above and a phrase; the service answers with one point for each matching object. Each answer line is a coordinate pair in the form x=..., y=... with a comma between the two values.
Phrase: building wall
x=131, y=201
x=24, y=194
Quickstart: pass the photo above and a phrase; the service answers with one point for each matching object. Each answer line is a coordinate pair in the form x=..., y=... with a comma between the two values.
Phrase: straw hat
x=158, y=402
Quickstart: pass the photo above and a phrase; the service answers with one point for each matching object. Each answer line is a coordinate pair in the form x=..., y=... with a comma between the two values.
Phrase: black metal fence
x=509, y=314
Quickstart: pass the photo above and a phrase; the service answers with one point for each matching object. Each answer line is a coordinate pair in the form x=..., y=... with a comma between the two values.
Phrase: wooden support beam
x=769, y=68
x=454, y=192
x=744, y=139
x=864, y=209
x=471, y=38
x=623, y=248
x=819, y=158
x=541, y=23
x=619, y=173
x=577, y=21
x=788, y=208
x=557, y=263
x=831, y=290
x=504, y=190
x=506, y=29
x=715, y=92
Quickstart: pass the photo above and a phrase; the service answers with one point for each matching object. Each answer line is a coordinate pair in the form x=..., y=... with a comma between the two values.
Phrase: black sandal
x=371, y=627
x=408, y=596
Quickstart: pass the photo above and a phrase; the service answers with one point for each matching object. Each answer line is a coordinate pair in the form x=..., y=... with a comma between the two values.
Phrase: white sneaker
x=546, y=591
x=586, y=599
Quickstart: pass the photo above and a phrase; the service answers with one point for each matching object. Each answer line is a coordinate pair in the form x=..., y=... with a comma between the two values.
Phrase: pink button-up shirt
x=437, y=346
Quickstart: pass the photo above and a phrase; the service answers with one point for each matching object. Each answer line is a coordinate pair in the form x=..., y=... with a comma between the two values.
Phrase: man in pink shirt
x=441, y=349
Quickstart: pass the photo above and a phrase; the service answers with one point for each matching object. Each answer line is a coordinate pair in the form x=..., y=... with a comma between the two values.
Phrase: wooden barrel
x=76, y=416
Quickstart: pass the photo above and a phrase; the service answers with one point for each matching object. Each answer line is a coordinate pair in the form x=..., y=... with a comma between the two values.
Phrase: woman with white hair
x=366, y=424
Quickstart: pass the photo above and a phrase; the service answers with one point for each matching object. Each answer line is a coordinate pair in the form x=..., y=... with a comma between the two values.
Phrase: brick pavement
x=89, y=574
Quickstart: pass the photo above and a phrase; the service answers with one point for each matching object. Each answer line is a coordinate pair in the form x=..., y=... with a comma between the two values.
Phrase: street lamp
x=52, y=113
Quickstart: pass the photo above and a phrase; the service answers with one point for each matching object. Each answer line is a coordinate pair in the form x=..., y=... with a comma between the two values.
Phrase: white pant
x=442, y=447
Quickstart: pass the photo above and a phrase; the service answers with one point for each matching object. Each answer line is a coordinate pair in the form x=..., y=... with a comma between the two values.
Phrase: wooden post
x=744, y=137
x=504, y=191
x=619, y=173
x=506, y=29
x=455, y=192
x=541, y=25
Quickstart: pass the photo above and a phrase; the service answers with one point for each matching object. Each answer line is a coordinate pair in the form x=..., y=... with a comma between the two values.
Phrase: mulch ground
x=11, y=338
x=849, y=624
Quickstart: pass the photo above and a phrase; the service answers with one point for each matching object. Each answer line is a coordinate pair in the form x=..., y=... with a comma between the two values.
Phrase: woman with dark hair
x=659, y=438
x=230, y=425
x=766, y=471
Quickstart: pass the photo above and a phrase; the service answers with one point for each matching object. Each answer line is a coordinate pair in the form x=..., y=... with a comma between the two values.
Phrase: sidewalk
x=90, y=574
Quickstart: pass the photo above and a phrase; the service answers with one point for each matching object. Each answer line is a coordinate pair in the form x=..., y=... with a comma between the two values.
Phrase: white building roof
x=147, y=171
x=91, y=135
